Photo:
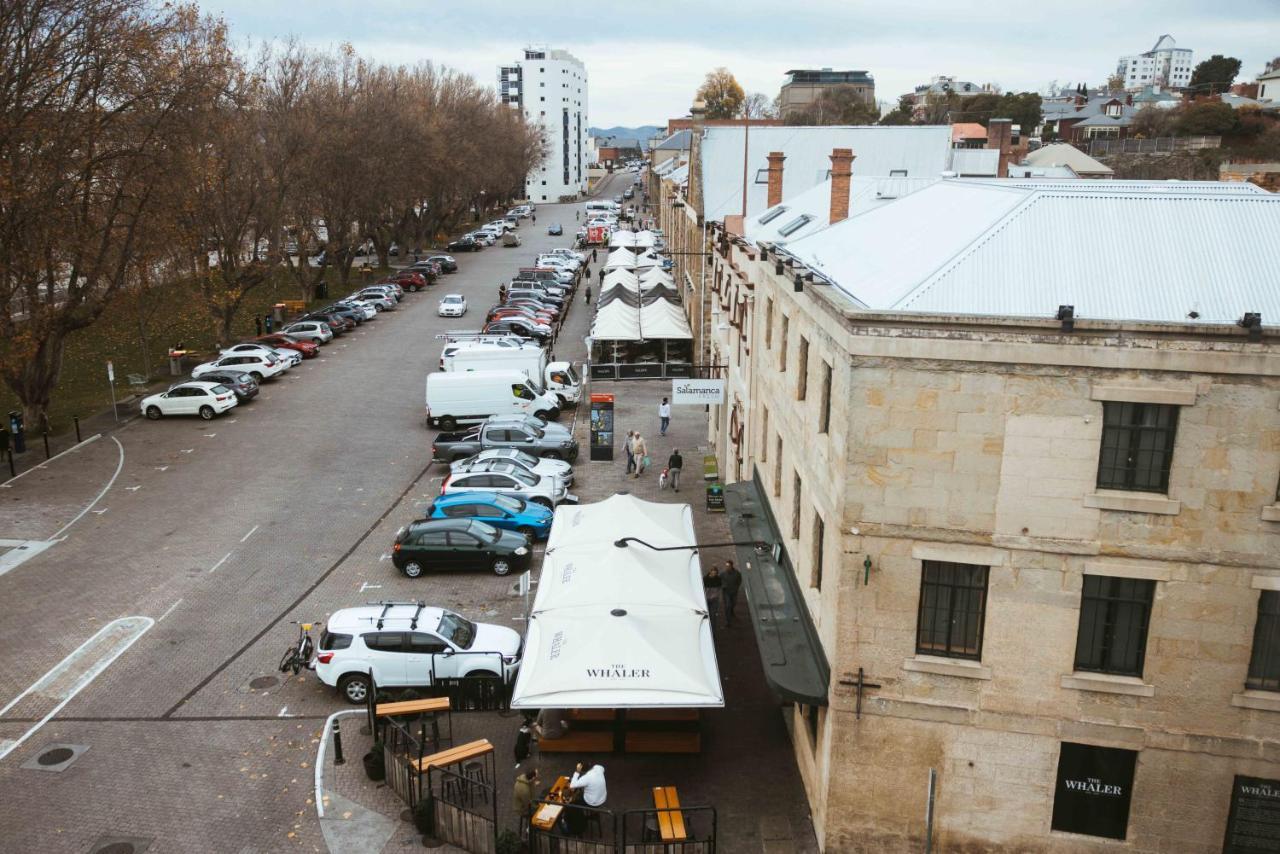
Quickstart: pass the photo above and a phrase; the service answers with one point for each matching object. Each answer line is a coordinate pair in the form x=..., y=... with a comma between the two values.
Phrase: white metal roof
x=1145, y=251
x=921, y=150
x=815, y=203
x=1065, y=154
x=975, y=161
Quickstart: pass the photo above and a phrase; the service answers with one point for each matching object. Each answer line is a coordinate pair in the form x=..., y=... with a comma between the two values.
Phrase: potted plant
x=375, y=763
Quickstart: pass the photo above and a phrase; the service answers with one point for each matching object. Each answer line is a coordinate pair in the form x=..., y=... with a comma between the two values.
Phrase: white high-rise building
x=1166, y=64
x=550, y=87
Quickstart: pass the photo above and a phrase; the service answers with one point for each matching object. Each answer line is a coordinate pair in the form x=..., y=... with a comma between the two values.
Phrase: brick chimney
x=775, y=177
x=1000, y=136
x=841, y=171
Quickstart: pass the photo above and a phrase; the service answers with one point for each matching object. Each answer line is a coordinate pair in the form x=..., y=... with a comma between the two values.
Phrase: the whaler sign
x=618, y=671
x=697, y=392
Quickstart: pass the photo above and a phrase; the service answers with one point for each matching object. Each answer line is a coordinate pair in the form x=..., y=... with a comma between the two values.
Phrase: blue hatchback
x=501, y=511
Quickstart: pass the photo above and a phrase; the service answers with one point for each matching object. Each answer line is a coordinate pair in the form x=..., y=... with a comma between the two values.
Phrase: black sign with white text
x=1095, y=785
x=1254, y=824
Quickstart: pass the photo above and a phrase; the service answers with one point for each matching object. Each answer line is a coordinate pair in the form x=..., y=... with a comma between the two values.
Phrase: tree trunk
x=35, y=380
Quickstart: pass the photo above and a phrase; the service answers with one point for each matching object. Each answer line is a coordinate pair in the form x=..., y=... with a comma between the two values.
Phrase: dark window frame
x=824, y=404
x=1114, y=600
x=797, y=489
x=1264, y=660
x=950, y=578
x=1135, y=455
x=802, y=367
x=819, y=550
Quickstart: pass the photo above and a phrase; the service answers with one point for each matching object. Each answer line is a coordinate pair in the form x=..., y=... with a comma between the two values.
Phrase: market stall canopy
x=620, y=259
x=647, y=259
x=659, y=292
x=656, y=274
x=616, y=321
x=658, y=524
x=625, y=239
x=620, y=277
x=645, y=238
x=661, y=319
x=619, y=293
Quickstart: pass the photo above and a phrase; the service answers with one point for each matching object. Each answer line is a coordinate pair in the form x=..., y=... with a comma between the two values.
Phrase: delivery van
x=458, y=397
x=557, y=378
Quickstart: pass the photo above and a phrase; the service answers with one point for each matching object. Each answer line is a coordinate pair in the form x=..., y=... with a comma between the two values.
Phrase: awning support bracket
x=860, y=683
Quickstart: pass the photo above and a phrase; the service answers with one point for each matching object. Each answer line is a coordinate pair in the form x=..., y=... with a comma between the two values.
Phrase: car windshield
x=573, y=377
x=244, y=378
x=453, y=299
x=519, y=474
x=521, y=456
x=485, y=531
x=459, y=632
x=220, y=389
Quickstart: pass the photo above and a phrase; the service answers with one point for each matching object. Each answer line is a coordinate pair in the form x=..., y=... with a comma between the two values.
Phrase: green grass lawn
x=173, y=314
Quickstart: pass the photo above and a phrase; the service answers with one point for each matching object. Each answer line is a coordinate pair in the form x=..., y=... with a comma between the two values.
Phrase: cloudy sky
x=646, y=59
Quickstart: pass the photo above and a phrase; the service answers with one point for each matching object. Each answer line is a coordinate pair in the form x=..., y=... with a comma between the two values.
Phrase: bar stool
x=473, y=771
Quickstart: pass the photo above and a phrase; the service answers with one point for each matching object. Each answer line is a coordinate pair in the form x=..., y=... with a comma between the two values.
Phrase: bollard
x=12, y=472
x=337, y=743
x=76, y=418
x=46, y=444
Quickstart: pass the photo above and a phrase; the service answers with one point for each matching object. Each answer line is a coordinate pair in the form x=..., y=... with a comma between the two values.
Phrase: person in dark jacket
x=674, y=464
x=712, y=586
x=730, y=585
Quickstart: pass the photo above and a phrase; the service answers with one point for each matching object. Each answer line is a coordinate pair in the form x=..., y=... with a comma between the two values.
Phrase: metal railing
x=1159, y=145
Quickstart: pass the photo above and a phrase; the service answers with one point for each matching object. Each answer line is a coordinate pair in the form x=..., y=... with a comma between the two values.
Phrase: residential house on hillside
x=1269, y=85
x=1081, y=118
x=1064, y=154
x=968, y=135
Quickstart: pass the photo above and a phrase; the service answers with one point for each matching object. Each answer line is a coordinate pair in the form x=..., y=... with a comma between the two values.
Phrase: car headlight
x=522, y=551
x=509, y=659
x=566, y=444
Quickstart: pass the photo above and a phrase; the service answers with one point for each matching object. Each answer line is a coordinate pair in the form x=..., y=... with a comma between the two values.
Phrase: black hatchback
x=441, y=544
x=244, y=385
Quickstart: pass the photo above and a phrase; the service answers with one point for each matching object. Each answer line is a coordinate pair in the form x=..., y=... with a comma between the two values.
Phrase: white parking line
x=250, y=534
x=74, y=447
x=220, y=563
x=119, y=467
x=170, y=611
x=110, y=642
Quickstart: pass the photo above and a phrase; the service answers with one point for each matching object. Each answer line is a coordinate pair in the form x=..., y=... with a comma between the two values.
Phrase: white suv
x=407, y=644
x=509, y=478
x=262, y=366
x=315, y=331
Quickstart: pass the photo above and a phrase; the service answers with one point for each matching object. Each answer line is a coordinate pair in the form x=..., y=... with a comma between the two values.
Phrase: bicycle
x=298, y=656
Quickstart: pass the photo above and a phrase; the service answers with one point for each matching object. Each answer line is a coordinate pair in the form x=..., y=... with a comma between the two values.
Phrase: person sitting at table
x=551, y=724
x=591, y=783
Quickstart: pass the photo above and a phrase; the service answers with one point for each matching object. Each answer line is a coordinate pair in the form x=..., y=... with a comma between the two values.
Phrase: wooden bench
x=412, y=707
x=294, y=306
x=670, y=818
x=453, y=755
x=664, y=742
x=584, y=715
x=578, y=742
x=662, y=714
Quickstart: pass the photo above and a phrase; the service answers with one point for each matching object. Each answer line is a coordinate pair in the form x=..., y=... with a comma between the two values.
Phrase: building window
x=1114, y=614
x=797, y=486
x=824, y=404
x=782, y=349
x=819, y=538
x=1137, y=446
x=768, y=331
x=1264, y=663
x=802, y=384
x=953, y=607
x=764, y=434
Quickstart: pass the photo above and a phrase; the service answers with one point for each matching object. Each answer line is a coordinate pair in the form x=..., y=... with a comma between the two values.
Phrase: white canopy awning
x=616, y=321
x=622, y=238
x=620, y=259
x=656, y=274
x=647, y=259
x=626, y=278
x=645, y=238
x=619, y=627
x=661, y=319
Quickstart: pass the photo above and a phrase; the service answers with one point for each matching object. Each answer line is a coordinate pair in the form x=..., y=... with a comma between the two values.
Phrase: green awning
x=794, y=662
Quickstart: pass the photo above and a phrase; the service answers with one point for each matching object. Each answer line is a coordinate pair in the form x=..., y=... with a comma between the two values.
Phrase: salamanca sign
x=697, y=392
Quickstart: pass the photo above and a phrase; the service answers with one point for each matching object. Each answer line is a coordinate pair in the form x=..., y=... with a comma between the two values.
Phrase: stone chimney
x=698, y=112
x=841, y=172
x=1000, y=136
x=775, y=178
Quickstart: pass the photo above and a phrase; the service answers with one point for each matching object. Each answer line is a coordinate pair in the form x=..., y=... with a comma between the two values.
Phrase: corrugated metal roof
x=864, y=194
x=678, y=141
x=975, y=161
x=1065, y=154
x=922, y=151
x=1144, y=251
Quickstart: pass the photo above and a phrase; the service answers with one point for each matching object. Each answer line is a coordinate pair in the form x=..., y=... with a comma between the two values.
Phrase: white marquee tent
x=620, y=259
x=619, y=627
x=625, y=239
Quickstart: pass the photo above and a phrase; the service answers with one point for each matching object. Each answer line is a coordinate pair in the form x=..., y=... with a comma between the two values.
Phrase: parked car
x=288, y=358
x=484, y=238
x=316, y=331
x=617, y=200
x=501, y=511
x=205, y=399
x=380, y=300
x=520, y=326
x=447, y=263
x=537, y=440
x=502, y=312
x=464, y=244
x=436, y=544
x=452, y=305
x=537, y=305
x=409, y=279
x=537, y=465
x=501, y=466
x=283, y=341
x=516, y=481
x=555, y=230
x=339, y=324
x=409, y=645
x=366, y=310
x=244, y=385
x=510, y=239
x=258, y=365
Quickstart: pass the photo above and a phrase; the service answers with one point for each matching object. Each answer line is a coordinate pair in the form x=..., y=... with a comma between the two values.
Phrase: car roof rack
x=388, y=604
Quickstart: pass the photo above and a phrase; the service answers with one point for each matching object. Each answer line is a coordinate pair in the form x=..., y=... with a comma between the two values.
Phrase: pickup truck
x=449, y=447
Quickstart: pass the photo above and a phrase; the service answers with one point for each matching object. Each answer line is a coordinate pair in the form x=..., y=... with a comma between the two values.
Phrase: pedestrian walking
x=524, y=740
x=602, y=276
x=586, y=294
x=664, y=417
x=712, y=585
x=257, y=324
x=266, y=322
x=730, y=584
x=502, y=294
x=593, y=254
x=630, y=447
x=641, y=450
x=675, y=463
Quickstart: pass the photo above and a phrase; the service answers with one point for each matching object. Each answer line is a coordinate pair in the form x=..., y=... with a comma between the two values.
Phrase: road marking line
x=283, y=712
x=368, y=586
x=127, y=630
x=187, y=451
x=208, y=435
x=74, y=447
x=133, y=488
x=384, y=557
x=119, y=467
x=170, y=611
x=250, y=534
x=162, y=468
x=221, y=562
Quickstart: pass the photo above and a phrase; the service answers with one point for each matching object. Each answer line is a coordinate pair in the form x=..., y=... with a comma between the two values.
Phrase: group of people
x=722, y=588
x=586, y=786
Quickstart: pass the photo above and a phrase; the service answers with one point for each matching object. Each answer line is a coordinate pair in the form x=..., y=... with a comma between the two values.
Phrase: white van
x=455, y=397
x=602, y=206
x=556, y=378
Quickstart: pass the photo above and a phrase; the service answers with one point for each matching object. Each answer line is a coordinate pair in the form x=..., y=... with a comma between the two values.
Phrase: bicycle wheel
x=290, y=657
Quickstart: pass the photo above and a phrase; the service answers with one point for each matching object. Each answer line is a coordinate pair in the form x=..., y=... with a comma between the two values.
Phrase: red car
x=287, y=342
x=409, y=280
x=533, y=305
x=499, y=312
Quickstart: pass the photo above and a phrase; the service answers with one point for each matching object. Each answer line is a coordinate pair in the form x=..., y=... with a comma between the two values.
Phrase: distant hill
x=641, y=133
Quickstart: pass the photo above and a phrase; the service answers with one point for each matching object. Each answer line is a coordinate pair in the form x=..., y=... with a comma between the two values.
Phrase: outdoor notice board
x=602, y=427
x=1253, y=826
x=1095, y=785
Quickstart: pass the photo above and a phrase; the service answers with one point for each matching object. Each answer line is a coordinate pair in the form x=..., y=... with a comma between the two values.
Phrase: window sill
x=1267, y=701
x=1271, y=513
x=940, y=666
x=1107, y=683
x=1133, y=502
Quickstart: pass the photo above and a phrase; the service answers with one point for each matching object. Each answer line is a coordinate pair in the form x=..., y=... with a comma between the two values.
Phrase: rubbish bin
x=19, y=434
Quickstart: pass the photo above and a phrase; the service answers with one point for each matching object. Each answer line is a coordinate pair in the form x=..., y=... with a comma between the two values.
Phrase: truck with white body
x=557, y=378
x=468, y=397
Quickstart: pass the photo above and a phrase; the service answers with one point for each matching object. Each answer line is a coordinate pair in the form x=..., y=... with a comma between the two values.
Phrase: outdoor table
x=453, y=755
x=410, y=707
x=546, y=815
x=670, y=818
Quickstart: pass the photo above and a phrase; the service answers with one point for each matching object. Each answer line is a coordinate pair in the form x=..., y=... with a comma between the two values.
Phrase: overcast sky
x=645, y=60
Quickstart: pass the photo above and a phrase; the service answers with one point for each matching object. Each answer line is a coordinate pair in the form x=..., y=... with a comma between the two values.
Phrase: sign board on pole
x=111, y=372
x=697, y=392
x=601, y=427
